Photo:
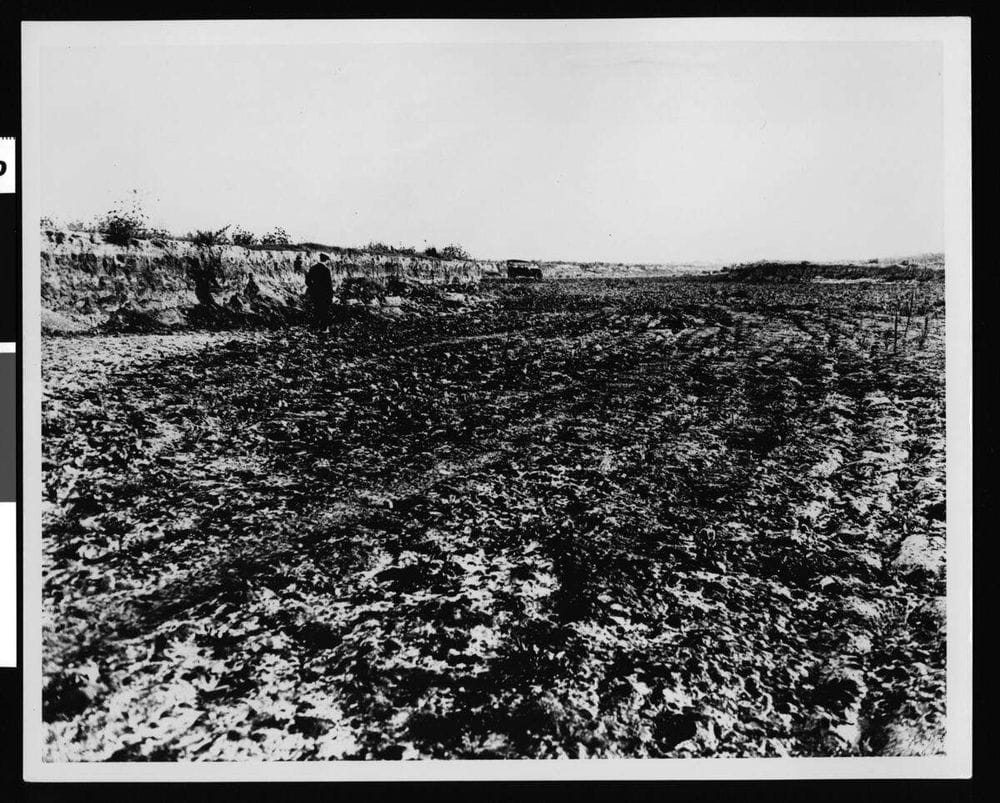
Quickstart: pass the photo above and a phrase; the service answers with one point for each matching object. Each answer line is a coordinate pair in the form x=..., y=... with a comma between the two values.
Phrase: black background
x=985, y=280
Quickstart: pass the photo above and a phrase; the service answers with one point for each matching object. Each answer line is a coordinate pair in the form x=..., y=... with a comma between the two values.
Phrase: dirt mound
x=57, y=323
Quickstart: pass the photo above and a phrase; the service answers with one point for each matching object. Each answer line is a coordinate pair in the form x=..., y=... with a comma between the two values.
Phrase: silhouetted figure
x=319, y=286
x=203, y=272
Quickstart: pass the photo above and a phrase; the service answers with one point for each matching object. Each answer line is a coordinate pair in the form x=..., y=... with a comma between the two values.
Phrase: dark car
x=522, y=269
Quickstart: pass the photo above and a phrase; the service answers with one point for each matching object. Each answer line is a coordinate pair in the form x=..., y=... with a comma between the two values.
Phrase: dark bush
x=276, y=238
x=454, y=252
x=382, y=249
x=244, y=238
x=125, y=221
x=209, y=238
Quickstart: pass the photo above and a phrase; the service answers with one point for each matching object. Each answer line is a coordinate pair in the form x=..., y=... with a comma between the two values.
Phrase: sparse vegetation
x=382, y=249
x=244, y=238
x=276, y=238
x=454, y=252
x=162, y=235
x=124, y=222
x=209, y=238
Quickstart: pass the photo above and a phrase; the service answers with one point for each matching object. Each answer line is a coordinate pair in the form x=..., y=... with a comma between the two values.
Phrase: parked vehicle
x=522, y=269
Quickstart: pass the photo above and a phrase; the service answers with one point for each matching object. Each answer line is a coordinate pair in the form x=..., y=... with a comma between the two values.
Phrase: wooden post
x=909, y=315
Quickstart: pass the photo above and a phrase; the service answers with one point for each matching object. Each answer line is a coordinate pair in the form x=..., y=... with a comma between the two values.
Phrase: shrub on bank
x=209, y=238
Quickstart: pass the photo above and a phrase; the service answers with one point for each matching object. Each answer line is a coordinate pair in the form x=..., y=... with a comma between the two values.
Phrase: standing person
x=319, y=287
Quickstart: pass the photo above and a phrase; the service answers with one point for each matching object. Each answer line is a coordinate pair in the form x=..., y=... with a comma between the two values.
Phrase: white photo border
x=954, y=35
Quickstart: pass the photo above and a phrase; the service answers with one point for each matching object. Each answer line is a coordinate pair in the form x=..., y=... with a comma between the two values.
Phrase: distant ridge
x=925, y=267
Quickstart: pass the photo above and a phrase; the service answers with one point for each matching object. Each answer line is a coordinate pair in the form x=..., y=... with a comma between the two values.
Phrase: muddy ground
x=577, y=519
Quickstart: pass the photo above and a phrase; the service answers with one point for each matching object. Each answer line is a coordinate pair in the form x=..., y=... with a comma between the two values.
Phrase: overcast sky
x=647, y=152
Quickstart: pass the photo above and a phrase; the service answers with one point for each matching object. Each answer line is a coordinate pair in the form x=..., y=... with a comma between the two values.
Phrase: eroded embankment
x=85, y=281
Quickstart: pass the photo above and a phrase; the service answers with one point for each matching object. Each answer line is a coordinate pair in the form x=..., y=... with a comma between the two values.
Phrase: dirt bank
x=85, y=280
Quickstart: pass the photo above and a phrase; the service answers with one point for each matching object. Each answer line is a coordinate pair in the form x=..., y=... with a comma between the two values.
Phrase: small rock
x=913, y=739
x=57, y=322
x=858, y=644
x=920, y=558
x=870, y=560
x=848, y=733
x=932, y=615
x=865, y=612
x=169, y=317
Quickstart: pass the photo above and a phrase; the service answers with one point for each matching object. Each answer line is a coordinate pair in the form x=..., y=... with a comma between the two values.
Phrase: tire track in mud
x=244, y=562
x=419, y=598
x=177, y=451
x=819, y=458
x=858, y=432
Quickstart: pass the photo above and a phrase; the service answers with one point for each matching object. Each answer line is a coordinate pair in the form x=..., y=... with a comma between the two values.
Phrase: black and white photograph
x=522, y=398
